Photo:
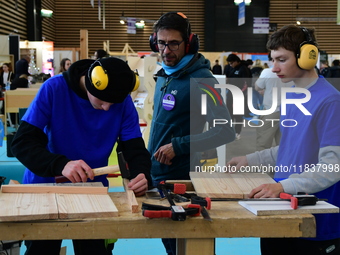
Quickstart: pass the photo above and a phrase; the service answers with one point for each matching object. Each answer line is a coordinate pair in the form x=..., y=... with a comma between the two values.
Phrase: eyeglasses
x=173, y=46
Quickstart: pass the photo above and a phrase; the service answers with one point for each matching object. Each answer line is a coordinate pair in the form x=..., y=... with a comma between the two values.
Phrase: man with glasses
x=176, y=139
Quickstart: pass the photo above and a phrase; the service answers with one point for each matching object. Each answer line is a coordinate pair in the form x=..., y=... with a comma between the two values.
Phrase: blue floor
x=224, y=246
x=12, y=169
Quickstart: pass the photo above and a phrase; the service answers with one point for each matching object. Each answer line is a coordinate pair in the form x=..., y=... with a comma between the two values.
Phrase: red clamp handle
x=208, y=203
x=203, y=201
x=157, y=214
x=179, y=188
x=195, y=206
x=293, y=200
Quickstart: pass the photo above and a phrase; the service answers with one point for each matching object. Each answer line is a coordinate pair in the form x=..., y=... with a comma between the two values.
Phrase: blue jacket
x=183, y=125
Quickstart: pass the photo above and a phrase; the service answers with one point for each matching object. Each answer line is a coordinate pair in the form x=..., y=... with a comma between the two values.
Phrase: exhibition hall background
x=215, y=21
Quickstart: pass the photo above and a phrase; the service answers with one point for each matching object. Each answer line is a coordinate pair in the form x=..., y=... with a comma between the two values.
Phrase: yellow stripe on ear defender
x=99, y=78
x=137, y=81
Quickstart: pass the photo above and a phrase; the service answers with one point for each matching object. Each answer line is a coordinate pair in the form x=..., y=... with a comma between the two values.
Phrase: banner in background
x=261, y=25
x=241, y=13
x=338, y=14
x=131, y=25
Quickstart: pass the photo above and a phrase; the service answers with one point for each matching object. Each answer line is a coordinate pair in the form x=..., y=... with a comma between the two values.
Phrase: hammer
x=122, y=167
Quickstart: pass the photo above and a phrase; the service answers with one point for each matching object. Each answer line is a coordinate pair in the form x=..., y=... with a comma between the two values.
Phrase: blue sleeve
x=130, y=128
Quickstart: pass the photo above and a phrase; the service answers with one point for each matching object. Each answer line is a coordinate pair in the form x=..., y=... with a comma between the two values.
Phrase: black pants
x=298, y=246
x=81, y=247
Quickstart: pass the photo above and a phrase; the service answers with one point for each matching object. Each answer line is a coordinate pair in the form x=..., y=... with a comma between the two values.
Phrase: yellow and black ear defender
x=307, y=56
x=99, y=77
x=135, y=81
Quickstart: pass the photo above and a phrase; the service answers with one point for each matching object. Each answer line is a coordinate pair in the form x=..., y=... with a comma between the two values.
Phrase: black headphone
x=307, y=55
x=192, y=44
x=99, y=78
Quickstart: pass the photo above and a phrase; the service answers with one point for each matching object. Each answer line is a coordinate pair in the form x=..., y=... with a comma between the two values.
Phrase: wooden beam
x=131, y=198
x=194, y=246
x=31, y=188
x=84, y=47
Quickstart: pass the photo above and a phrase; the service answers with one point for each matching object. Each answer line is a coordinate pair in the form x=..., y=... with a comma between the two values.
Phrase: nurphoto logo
x=239, y=105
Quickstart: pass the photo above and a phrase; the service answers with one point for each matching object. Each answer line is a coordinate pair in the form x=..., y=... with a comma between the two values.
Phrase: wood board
x=130, y=197
x=266, y=208
x=39, y=206
x=60, y=189
x=77, y=206
x=227, y=185
x=25, y=206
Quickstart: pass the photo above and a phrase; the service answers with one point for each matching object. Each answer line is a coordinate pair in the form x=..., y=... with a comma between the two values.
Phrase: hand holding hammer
x=122, y=168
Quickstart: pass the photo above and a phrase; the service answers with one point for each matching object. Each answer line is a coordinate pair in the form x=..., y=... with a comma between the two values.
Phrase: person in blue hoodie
x=176, y=136
x=307, y=159
x=71, y=138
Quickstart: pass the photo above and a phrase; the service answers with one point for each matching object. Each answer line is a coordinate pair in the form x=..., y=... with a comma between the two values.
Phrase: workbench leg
x=194, y=246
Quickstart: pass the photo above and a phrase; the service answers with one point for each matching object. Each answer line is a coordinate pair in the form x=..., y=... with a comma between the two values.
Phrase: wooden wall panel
x=71, y=16
x=48, y=24
x=317, y=14
x=13, y=18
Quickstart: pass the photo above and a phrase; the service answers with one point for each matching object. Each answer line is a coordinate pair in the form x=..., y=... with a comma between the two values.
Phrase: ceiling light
x=46, y=13
x=247, y=2
x=140, y=24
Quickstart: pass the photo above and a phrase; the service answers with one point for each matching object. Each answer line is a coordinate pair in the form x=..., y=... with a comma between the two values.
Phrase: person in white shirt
x=6, y=74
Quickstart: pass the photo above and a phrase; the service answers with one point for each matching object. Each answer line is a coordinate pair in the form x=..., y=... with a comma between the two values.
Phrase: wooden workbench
x=195, y=235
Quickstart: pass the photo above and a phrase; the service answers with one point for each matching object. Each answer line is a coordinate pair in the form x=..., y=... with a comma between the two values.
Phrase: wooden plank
x=247, y=182
x=216, y=185
x=78, y=206
x=227, y=185
x=21, y=207
x=265, y=208
x=32, y=188
x=131, y=198
x=67, y=206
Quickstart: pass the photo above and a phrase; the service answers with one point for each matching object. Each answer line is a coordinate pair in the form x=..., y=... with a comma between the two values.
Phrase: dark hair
x=249, y=62
x=176, y=21
x=336, y=62
x=233, y=58
x=8, y=65
x=101, y=54
x=62, y=64
x=290, y=38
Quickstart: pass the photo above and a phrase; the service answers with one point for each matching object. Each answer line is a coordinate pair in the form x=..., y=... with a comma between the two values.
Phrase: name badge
x=169, y=102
